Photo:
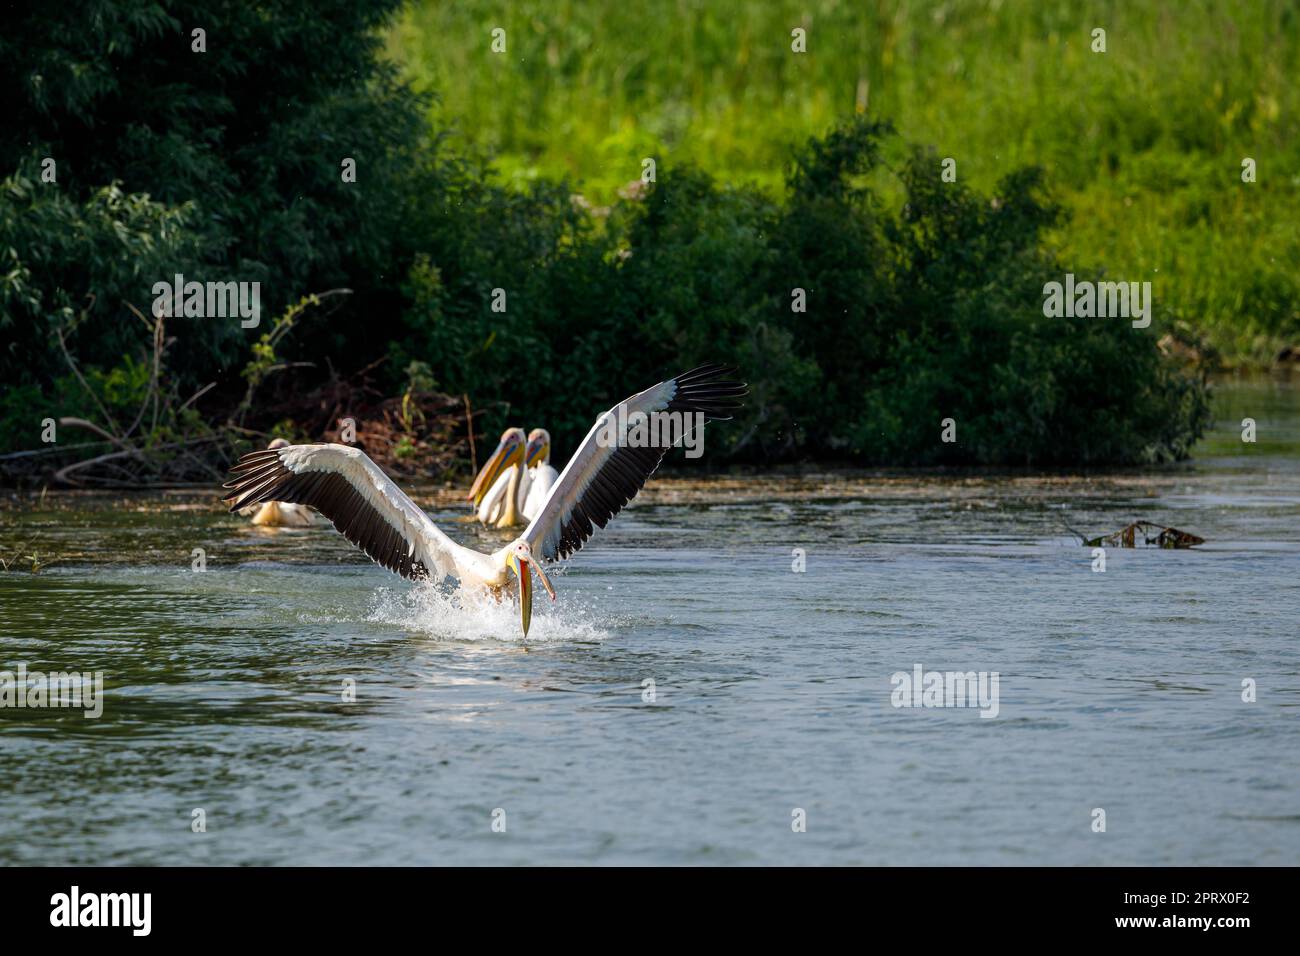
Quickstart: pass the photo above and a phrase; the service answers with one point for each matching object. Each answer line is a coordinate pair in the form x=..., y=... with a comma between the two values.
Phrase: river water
x=768, y=734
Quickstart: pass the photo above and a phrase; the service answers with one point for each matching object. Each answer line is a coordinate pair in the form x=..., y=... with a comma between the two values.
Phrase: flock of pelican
x=516, y=485
x=515, y=482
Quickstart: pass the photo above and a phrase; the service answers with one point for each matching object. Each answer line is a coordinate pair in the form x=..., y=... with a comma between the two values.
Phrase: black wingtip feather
x=331, y=495
x=705, y=389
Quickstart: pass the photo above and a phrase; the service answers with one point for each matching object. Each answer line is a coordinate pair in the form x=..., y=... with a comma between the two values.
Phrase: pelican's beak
x=546, y=582
x=505, y=456
x=522, y=567
x=537, y=451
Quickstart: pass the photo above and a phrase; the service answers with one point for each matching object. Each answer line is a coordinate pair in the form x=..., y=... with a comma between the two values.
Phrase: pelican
x=501, y=486
x=276, y=514
x=349, y=489
x=541, y=476
x=522, y=478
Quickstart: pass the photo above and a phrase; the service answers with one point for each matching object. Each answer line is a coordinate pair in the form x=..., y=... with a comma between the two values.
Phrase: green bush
x=61, y=256
x=221, y=165
x=932, y=311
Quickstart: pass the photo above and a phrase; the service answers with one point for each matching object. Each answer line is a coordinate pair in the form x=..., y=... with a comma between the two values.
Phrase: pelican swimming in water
x=541, y=475
x=501, y=485
x=522, y=478
x=343, y=484
x=278, y=514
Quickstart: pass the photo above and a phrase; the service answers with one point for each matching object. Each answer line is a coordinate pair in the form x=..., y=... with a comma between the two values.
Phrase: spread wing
x=367, y=508
x=604, y=475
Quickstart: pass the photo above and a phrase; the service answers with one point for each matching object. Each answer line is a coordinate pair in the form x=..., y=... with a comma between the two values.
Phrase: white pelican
x=541, y=476
x=501, y=485
x=343, y=484
x=277, y=514
x=525, y=479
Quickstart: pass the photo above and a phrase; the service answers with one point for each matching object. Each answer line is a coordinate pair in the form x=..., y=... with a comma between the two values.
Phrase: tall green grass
x=1142, y=144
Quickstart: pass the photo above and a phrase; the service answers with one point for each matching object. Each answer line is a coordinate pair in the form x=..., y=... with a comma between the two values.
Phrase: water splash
x=456, y=615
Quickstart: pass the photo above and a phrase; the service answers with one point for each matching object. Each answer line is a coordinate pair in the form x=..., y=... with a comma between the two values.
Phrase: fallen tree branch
x=69, y=422
x=131, y=452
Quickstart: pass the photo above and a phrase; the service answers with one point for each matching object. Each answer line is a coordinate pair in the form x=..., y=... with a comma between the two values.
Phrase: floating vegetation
x=24, y=558
x=1143, y=534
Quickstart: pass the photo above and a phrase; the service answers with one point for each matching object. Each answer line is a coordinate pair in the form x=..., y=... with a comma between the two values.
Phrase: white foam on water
x=460, y=616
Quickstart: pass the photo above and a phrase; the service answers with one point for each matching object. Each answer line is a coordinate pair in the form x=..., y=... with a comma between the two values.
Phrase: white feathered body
x=279, y=514
x=540, y=482
x=492, y=508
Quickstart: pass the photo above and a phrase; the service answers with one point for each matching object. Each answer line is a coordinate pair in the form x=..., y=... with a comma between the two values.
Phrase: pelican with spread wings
x=349, y=489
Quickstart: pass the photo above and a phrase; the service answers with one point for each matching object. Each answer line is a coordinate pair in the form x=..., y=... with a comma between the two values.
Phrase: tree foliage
x=923, y=298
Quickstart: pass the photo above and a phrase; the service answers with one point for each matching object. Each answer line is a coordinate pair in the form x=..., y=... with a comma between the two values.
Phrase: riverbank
x=442, y=467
